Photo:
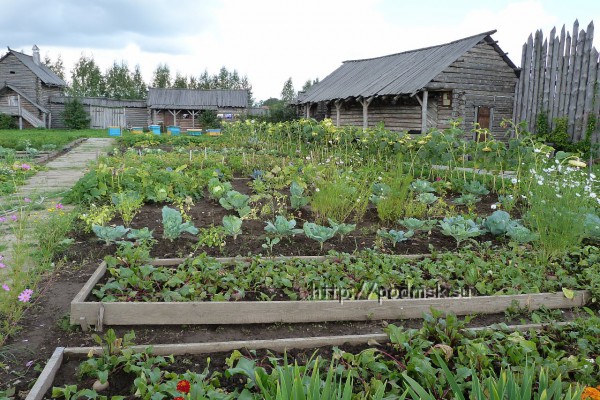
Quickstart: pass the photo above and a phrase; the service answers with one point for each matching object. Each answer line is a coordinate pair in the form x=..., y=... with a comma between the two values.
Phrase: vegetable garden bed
x=344, y=306
x=366, y=354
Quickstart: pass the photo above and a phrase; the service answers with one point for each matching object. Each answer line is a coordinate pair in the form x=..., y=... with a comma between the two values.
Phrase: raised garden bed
x=292, y=346
x=87, y=313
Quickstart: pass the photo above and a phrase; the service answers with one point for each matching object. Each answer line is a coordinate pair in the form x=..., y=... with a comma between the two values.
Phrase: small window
x=12, y=72
x=446, y=99
x=13, y=101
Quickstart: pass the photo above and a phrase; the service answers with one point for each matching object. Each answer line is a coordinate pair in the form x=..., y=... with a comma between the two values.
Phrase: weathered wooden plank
x=547, y=72
x=46, y=378
x=575, y=84
x=570, y=76
x=564, y=86
x=538, y=79
x=559, y=56
x=590, y=90
x=596, y=136
x=520, y=88
x=580, y=121
x=529, y=84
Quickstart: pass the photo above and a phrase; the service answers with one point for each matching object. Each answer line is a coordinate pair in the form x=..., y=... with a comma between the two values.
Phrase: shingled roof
x=45, y=74
x=193, y=99
x=401, y=73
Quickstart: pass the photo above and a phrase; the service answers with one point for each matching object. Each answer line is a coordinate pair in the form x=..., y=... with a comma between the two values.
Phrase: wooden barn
x=103, y=112
x=470, y=79
x=181, y=107
x=26, y=85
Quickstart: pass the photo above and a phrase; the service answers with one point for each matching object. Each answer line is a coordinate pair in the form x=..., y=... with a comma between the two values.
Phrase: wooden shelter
x=470, y=79
x=182, y=107
x=26, y=85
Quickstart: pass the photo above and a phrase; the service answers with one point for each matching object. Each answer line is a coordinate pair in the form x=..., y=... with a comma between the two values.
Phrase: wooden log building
x=470, y=79
x=26, y=85
x=181, y=107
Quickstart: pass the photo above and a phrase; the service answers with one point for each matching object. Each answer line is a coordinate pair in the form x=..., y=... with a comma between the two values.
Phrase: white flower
x=317, y=190
x=514, y=181
x=593, y=195
x=537, y=150
x=494, y=206
x=559, y=195
x=540, y=182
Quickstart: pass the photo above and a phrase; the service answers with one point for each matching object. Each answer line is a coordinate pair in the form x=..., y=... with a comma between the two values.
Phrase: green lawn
x=16, y=139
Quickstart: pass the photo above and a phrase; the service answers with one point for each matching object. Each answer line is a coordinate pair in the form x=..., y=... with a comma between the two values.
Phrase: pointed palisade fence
x=559, y=80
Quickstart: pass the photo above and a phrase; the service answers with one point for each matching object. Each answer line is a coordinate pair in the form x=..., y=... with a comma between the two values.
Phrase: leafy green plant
x=234, y=200
x=521, y=234
x=460, y=228
x=476, y=188
x=232, y=225
x=427, y=198
x=75, y=116
x=317, y=232
x=282, y=227
x=97, y=215
x=127, y=204
x=338, y=200
x=467, y=199
x=592, y=226
x=394, y=236
x=379, y=191
x=173, y=225
x=213, y=236
x=422, y=186
x=109, y=234
x=218, y=189
x=393, y=206
x=341, y=228
x=415, y=224
x=498, y=222
x=140, y=235
x=297, y=198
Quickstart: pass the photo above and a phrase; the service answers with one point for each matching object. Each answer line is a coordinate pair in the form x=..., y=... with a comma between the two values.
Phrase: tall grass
x=37, y=138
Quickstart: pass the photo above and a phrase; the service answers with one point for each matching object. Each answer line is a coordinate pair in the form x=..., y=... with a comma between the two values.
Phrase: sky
x=268, y=40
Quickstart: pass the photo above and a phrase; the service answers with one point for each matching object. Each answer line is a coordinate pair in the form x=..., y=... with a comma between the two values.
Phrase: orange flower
x=179, y=398
x=591, y=393
x=183, y=386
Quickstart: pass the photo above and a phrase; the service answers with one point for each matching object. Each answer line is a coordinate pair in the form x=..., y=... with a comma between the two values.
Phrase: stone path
x=46, y=187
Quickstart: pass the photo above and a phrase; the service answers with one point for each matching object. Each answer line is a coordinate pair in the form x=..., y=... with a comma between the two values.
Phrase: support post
x=365, y=103
x=174, y=113
x=20, y=112
x=424, y=111
x=338, y=106
x=307, y=109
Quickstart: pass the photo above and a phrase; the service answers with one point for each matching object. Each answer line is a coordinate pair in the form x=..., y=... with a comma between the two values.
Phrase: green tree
x=140, y=90
x=86, y=79
x=75, y=116
x=162, y=77
x=288, y=94
x=57, y=66
x=308, y=84
x=119, y=82
x=7, y=122
x=180, y=82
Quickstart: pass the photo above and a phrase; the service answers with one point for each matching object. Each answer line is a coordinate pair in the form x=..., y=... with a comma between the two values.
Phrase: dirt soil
x=46, y=323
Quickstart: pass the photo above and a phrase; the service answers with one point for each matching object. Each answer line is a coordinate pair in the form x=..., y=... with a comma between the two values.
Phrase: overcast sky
x=268, y=40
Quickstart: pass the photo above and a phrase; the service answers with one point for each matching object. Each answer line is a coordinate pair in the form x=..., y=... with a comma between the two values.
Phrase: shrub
x=208, y=120
x=7, y=122
x=75, y=116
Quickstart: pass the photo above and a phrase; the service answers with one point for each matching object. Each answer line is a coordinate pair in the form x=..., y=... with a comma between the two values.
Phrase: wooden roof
x=45, y=74
x=193, y=99
x=401, y=73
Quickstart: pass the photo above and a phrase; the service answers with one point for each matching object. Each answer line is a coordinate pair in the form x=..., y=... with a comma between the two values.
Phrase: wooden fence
x=559, y=77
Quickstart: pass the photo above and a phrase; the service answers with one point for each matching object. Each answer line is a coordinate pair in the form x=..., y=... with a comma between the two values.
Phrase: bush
x=75, y=116
x=7, y=122
x=208, y=120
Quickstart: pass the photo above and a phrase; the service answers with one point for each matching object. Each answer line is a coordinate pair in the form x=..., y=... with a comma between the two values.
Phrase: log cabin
x=181, y=107
x=26, y=85
x=471, y=80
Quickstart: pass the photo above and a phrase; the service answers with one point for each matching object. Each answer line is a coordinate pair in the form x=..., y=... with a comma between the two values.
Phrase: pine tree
x=288, y=94
x=140, y=90
x=75, y=116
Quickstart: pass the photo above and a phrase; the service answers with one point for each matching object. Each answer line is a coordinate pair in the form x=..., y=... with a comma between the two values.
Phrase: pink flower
x=27, y=200
x=25, y=295
x=13, y=217
x=5, y=287
x=2, y=265
x=25, y=167
x=2, y=219
x=1, y=257
x=59, y=206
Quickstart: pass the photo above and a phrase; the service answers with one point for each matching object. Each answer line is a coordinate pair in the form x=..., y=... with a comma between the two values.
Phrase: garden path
x=45, y=189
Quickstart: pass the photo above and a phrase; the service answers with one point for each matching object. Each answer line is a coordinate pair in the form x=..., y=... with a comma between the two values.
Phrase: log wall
x=481, y=77
x=559, y=79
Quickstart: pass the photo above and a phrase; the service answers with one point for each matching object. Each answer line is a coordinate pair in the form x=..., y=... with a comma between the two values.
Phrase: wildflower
x=25, y=167
x=514, y=181
x=27, y=200
x=183, y=386
x=593, y=195
x=2, y=219
x=591, y=393
x=178, y=398
x=5, y=287
x=2, y=265
x=13, y=217
x=59, y=206
x=25, y=295
x=494, y=206
x=1, y=257
x=317, y=190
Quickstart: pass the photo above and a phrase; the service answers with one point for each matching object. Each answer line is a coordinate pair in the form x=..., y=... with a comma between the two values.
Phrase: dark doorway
x=483, y=120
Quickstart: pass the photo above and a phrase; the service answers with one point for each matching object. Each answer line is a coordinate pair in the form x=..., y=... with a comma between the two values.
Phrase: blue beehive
x=114, y=131
x=174, y=130
x=155, y=129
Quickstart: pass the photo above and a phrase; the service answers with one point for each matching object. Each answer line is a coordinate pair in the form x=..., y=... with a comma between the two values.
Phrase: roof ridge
x=424, y=48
